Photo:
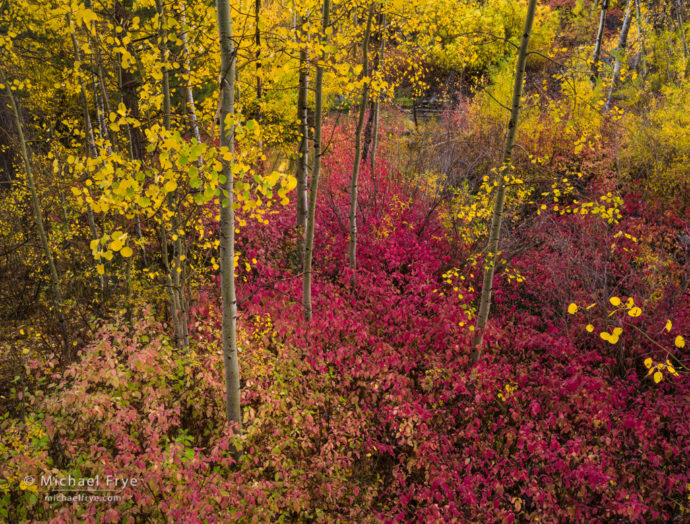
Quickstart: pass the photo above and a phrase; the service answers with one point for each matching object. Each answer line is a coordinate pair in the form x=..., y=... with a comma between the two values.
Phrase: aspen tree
x=492, y=255
x=597, y=44
x=311, y=214
x=189, y=93
x=620, y=53
x=683, y=40
x=92, y=34
x=303, y=117
x=377, y=102
x=173, y=273
x=38, y=217
x=352, y=251
x=641, y=31
x=372, y=126
x=88, y=129
x=226, y=104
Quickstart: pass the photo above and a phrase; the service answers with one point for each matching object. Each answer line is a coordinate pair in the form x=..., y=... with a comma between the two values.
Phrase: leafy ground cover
x=372, y=412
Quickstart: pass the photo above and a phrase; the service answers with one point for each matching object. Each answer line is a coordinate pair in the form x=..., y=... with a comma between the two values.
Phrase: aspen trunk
x=227, y=217
x=163, y=48
x=90, y=141
x=311, y=215
x=597, y=44
x=352, y=252
x=371, y=132
x=683, y=40
x=174, y=271
x=100, y=78
x=497, y=216
x=620, y=53
x=641, y=31
x=303, y=116
x=38, y=217
x=257, y=43
x=191, y=105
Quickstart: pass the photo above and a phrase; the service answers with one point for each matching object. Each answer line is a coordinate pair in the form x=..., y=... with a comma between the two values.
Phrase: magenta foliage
x=371, y=412
x=583, y=436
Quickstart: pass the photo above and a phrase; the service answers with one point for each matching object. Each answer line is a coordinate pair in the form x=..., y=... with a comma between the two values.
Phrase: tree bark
x=90, y=140
x=597, y=44
x=38, y=217
x=189, y=93
x=620, y=53
x=233, y=411
x=643, y=48
x=303, y=116
x=497, y=216
x=173, y=272
x=352, y=251
x=311, y=215
x=683, y=40
x=371, y=130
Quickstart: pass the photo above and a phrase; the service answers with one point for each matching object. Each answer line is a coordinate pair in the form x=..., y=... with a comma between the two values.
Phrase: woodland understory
x=360, y=261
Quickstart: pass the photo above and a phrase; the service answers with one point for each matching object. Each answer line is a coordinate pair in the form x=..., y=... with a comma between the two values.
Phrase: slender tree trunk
x=90, y=140
x=303, y=116
x=497, y=216
x=352, y=252
x=620, y=53
x=597, y=44
x=132, y=134
x=100, y=77
x=641, y=31
x=683, y=40
x=233, y=411
x=259, y=80
x=191, y=105
x=174, y=271
x=128, y=86
x=163, y=47
x=257, y=43
x=38, y=217
x=372, y=127
x=311, y=215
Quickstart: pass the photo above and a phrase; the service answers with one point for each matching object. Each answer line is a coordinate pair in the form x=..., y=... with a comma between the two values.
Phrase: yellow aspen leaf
x=617, y=331
x=115, y=245
x=648, y=362
x=100, y=268
x=572, y=308
x=629, y=303
x=615, y=301
x=126, y=252
x=606, y=336
x=170, y=186
x=679, y=342
x=589, y=328
x=635, y=312
x=657, y=377
x=669, y=325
